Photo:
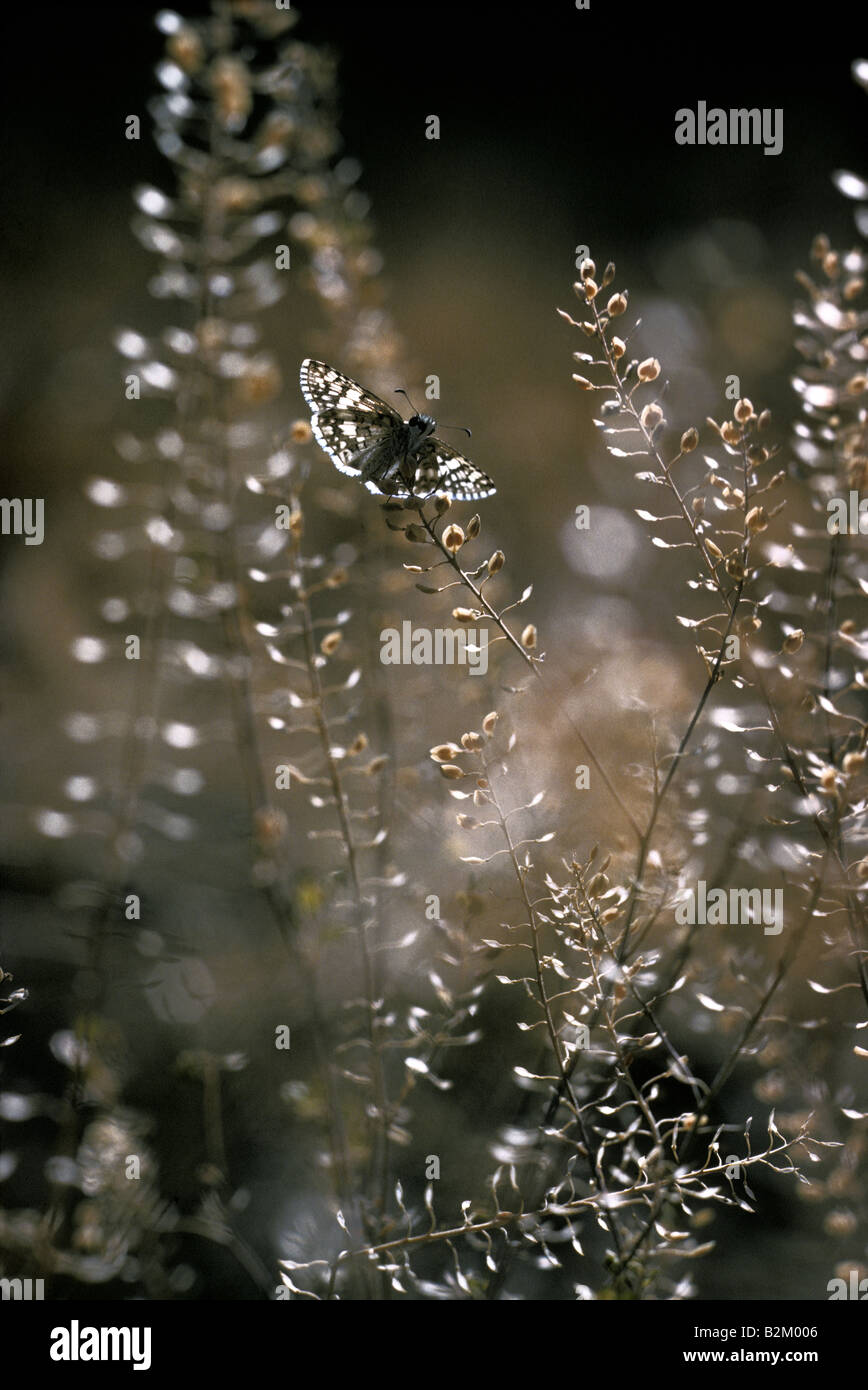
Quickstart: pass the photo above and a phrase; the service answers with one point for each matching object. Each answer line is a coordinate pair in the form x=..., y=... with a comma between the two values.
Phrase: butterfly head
x=422, y=426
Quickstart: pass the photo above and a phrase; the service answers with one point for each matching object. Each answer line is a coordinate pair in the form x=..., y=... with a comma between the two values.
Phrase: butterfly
x=369, y=440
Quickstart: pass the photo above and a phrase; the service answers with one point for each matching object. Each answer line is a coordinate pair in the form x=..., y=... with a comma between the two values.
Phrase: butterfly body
x=367, y=439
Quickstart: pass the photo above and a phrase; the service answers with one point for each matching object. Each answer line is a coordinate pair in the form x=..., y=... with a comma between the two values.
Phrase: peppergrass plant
x=510, y=1029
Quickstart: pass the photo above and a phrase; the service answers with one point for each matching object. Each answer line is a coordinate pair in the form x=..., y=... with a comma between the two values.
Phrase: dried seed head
x=451, y=772
x=473, y=526
x=698, y=505
x=619, y=347
x=649, y=370
x=616, y=305
x=442, y=503
x=465, y=615
x=853, y=288
x=794, y=640
x=592, y=289
x=743, y=410
x=587, y=268
x=376, y=765
x=583, y=382
x=756, y=519
x=471, y=740
x=757, y=455
x=528, y=637
x=416, y=533
x=230, y=82
x=827, y=779
x=862, y=870
x=496, y=562
x=609, y=274
x=489, y=722
x=444, y=752
x=453, y=538
x=331, y=642
x=185, y=47
x=831, y=264
x=730, y=432
x=776, y=479
x=300, y=432
x=336, y=579
x=598, y=885
x=734, y=567
x=589, y=329
x=714, y=550
x=857, y=384
x=651, y=417
x=847, y=628
x=853, y=762
x=466, y=822
x=764, y=419
x=480, y=799
x=749, y=625
x=358, y=745
x=269, y=826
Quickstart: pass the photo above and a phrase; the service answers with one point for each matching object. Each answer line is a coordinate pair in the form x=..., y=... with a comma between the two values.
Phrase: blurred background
x=556, y=131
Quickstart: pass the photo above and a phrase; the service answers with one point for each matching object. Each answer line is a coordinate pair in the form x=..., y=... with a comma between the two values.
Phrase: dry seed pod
x=453, y=538
x=496, y=562
x=489, y=722
x=734, y=567
x=743, y=410
x=793, y=641
x=444, y=752
x=331, y=642
x=465, y=615
x=616, y=305
x=528, y=637
x=649, y=370
x=689, y=440
x=471, y=740
x=473, y=526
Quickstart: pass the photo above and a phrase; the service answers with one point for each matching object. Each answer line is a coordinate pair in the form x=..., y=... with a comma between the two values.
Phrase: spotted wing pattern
x=365, y=438
x=451, y=472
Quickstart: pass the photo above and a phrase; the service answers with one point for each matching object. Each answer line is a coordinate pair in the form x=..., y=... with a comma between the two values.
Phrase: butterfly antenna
x=399, y=391
x=468, y=432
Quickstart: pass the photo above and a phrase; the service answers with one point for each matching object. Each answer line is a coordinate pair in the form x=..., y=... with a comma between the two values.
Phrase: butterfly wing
x=356, y=429
x=442, y=469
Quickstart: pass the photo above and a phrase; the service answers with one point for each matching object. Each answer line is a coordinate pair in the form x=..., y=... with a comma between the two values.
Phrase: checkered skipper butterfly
x=368, y=439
